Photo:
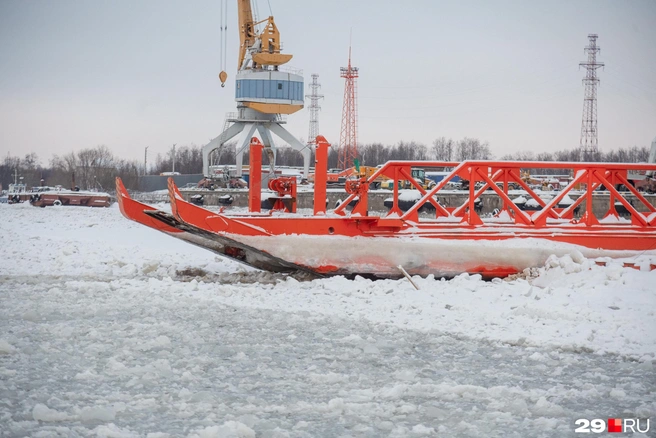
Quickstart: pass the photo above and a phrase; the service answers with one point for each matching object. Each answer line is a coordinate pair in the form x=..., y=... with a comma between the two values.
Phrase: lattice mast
x=314, y=108
x=348, y=139
x=588, y=145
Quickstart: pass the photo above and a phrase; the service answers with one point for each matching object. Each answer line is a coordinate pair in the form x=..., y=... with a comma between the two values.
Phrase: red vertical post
x=612, y=210
x=320, y=174
x=255, y=176
x=505, y=188
x=588, y=199
x=294, y=197
x=472, y=190
x=588, y=217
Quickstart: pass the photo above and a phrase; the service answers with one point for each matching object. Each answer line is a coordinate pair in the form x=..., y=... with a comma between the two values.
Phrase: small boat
x=44, y=196
x=52, y=196
x=17, y=193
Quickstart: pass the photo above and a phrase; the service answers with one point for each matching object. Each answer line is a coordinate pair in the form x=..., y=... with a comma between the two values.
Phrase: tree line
x=87, y=169
x=633, y=154
x=96, y=168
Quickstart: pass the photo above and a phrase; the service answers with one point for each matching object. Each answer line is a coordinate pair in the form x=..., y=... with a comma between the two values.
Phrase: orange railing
x=498, y=176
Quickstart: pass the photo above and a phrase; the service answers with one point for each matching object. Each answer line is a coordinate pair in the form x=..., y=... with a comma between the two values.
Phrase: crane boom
x=246, y=29
x=258, y=48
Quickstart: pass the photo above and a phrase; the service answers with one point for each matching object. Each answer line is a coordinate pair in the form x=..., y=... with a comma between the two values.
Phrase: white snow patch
x=229, y=429
x=113, y=431
x=336, y=404
x=97, y=413
x=422, y=430
x=41, y=412
x=6, y=347
x=617, y=393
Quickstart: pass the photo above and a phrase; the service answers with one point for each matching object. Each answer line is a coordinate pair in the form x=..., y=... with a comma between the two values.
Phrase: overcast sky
x=131, y=74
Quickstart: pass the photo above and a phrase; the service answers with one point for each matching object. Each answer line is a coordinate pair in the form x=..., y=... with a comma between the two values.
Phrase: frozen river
x=102, y=335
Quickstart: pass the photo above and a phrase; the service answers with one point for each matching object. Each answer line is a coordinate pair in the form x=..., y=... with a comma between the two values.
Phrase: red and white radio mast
x=348, y=139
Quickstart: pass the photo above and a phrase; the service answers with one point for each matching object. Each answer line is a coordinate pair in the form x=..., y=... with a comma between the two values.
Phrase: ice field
x=111, y=329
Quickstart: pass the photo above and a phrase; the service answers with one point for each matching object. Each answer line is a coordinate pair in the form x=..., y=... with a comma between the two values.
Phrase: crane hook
x=223, y=76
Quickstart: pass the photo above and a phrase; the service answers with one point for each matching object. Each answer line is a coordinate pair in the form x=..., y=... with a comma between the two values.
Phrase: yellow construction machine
x=383, y=182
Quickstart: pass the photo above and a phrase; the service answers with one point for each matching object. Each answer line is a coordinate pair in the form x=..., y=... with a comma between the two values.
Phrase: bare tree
x=472, y=149
x=443, y=149
x=7, y=168
x=95, y=168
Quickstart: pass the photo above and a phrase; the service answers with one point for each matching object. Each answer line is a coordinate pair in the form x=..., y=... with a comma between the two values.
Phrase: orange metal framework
x=462, y=222
x=590, y=175
x=285, y=241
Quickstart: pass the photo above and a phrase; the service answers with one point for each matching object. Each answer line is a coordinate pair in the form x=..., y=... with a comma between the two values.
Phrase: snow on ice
x=110, y=329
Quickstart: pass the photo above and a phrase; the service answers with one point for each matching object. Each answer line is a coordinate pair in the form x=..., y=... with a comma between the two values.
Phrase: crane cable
x=256, y=12
x=223, y=44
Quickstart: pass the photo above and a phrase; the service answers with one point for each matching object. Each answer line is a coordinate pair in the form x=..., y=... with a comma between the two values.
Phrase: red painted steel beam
x=490, y=182
x=635, y=215
x=255, y=176
x=637, y=194
x=320, y=174
x=540, y=217
x=434, y=190
x=418, y=186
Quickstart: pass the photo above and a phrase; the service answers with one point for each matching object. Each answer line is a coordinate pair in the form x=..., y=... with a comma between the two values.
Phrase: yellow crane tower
x=263, y=91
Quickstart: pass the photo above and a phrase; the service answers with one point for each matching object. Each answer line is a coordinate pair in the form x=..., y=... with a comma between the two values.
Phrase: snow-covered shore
x=109, y=328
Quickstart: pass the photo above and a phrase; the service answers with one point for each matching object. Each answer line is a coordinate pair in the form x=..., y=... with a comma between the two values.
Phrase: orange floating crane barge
x=450, y=241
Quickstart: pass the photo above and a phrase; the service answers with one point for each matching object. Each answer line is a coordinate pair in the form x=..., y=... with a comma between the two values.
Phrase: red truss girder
x=492, y=172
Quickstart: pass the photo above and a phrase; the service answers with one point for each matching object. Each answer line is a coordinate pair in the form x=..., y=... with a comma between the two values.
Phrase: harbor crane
x=264, y=93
